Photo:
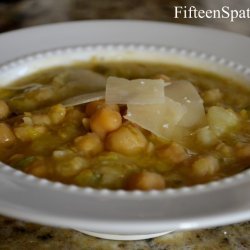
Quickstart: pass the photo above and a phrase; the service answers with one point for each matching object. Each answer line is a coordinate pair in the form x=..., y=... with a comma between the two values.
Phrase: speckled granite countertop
x=15, y=14
x=17, y=235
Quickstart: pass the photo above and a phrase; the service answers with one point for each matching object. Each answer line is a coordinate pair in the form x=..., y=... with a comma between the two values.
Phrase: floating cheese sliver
x=185, y=93
x=160, y=119
x=84, y=98
x=139, y=91
x=83, y=79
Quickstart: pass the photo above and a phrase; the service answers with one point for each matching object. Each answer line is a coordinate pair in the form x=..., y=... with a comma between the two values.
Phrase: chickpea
x=4, y=109
x=89, y=144
x=60, y=154
x=86, y=178
x=206, y=136
x=74, y=115
x=127, y=140
x=146, y=181
x=105, y=120
x=174, y=153
x=40, y=119
x=224, y=149
x=29, y=133
x=27, y=120
x=38, y=169
x=7, y=136
x=71, y=167
x=212, y=96
x=244, y=114
x=243, y=152
x=111, y=177
x=85, y=123
x=57, y=113
x=92, y=107
x=205, y=166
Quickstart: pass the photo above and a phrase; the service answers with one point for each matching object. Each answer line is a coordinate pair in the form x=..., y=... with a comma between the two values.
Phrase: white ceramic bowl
x=120, y=212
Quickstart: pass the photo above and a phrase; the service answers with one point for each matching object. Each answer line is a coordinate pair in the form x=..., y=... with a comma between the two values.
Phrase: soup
x=173, y=127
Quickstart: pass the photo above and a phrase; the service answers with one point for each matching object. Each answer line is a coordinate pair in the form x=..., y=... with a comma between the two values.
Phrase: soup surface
x=102, y=144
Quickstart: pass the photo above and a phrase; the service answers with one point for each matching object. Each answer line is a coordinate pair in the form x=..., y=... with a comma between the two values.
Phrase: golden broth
x=49, y=141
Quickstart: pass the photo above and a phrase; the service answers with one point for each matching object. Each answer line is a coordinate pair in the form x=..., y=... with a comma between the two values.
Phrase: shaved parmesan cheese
x=84, y=98
x=139, y=91
x=168, y=111
x=160, y=119
x=181, y=111
x=186, y=94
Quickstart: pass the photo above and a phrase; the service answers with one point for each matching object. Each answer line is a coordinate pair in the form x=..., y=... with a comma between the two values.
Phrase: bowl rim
x=225, y=185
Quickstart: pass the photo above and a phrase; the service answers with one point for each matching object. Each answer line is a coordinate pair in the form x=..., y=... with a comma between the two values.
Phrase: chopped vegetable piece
x=221, y=120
